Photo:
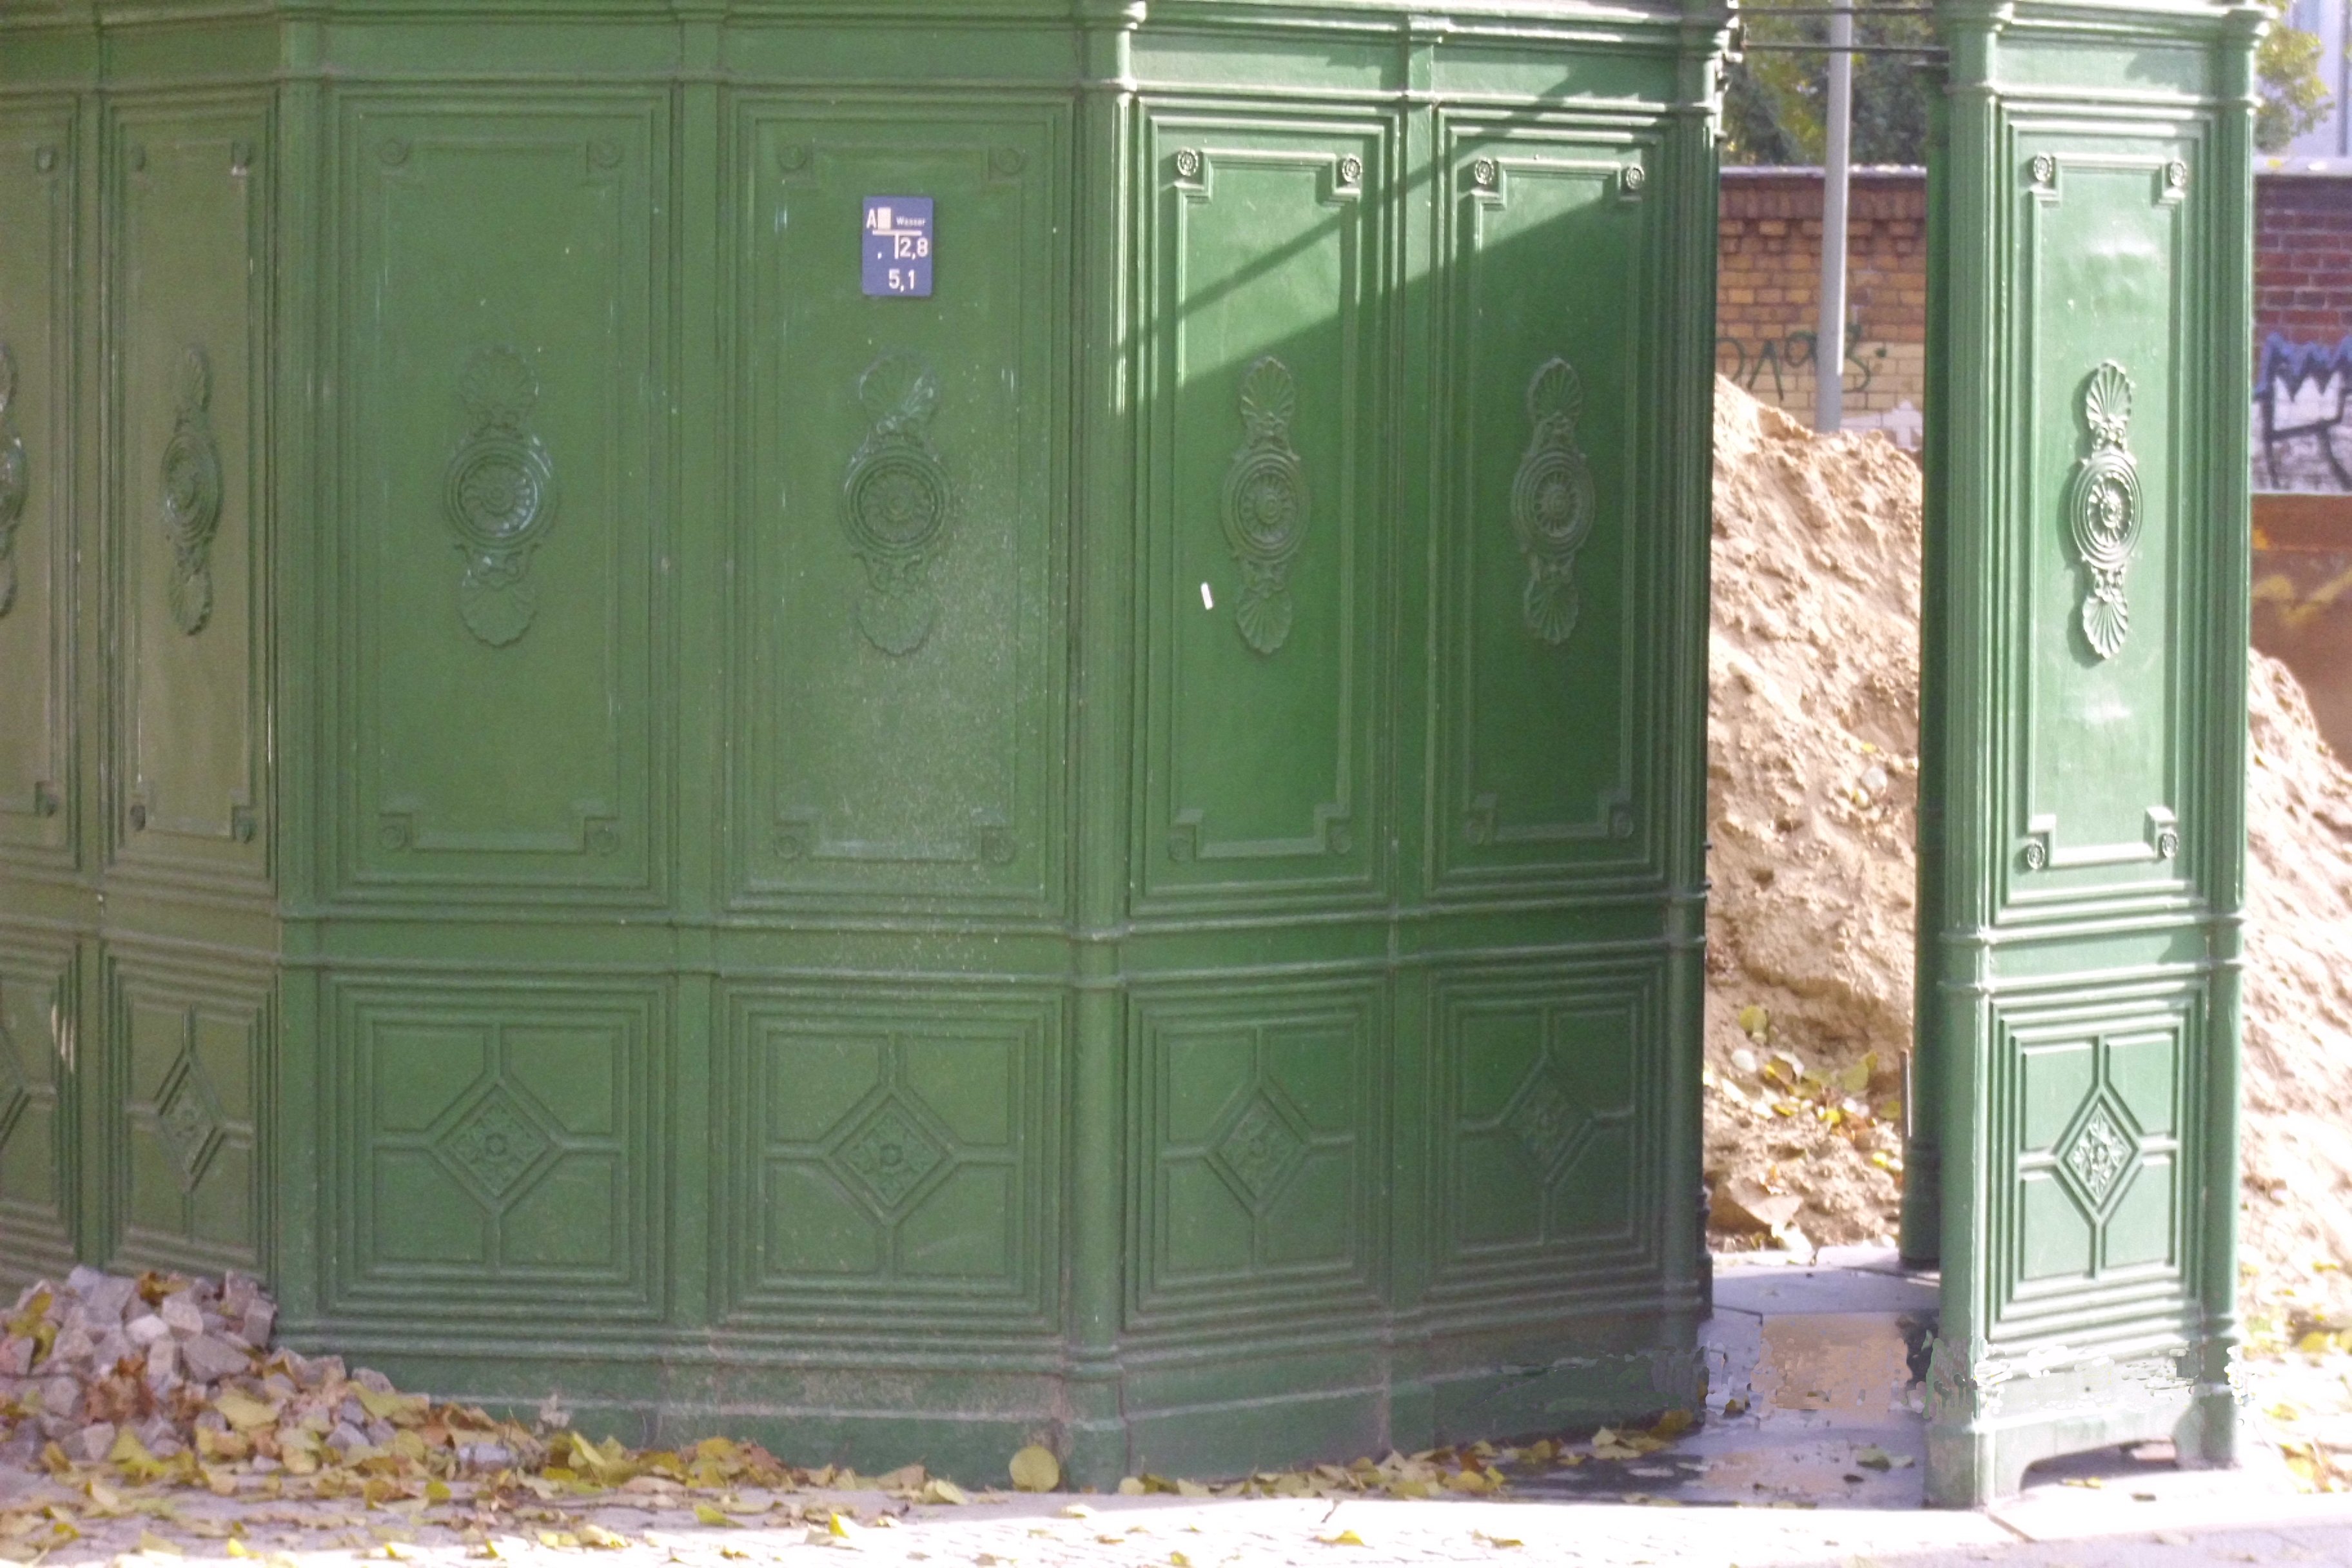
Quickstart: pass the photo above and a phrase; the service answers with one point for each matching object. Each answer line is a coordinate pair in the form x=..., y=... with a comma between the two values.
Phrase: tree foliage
x=2292, y=100
x=1775, y=100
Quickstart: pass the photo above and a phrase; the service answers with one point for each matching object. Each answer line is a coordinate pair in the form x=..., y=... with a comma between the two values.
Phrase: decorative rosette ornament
x=2103, y=507
x=1265, y=505
x=191, y=493
x=896, y=503
x=1551, y=502
x=498, y=493
x=15, y=479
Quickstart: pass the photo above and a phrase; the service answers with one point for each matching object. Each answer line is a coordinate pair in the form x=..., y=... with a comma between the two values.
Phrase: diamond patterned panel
x=2094, y=1178
x=186, y=1122
x=2097, y=1154
x=1259, y=1108
x=503, y=1147
x=892, y=1158
x=890, y=1155
x=1547, y=1124
x=1261, y=1151
x=495, y=1144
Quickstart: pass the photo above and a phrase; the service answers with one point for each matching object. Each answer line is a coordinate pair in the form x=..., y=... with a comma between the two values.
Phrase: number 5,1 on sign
x=897, y=247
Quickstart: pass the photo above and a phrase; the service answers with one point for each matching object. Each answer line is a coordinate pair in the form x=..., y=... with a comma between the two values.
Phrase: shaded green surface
x=1109, y=856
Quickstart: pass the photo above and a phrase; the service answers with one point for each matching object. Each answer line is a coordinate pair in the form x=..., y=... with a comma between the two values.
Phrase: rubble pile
x=169, y=1376
x=104, y=1355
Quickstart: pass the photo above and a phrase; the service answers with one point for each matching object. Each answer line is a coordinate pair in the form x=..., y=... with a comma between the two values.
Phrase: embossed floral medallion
x=498, y=493
x=2103, y=507
x=191, y=493
x=1553, y=501
x=1265, y=505
x=897, y=504
x=15, y=479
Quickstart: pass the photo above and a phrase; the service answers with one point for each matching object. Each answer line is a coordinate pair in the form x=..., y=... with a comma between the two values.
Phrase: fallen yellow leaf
x=244, y=1413
x=400, y=1409
x=1344, y=1538
x=709, y=1515
x=1034, y=1469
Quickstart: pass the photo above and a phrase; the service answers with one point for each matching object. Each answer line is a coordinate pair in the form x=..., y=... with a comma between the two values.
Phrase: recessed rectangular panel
x=2054, y=1236
x=1545, y=647
x=185, y=422
x=498, y=595
x=2085, y=1205
x=494, y=1141
x=1258, y=1129
x=890, y=1155
x=1265, y=521
x=39, y=1146
x=189, y=1053
x=1545, y=1101
x=2107, y=484
x=38, y=162
x=899, y=651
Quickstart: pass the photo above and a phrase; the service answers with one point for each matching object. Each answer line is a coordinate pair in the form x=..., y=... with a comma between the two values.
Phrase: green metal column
x=2084, y=745
x=1108, y=853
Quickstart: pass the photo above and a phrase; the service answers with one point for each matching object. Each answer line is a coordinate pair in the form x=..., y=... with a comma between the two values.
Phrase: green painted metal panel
x=2083, y=825
x=1111, y=855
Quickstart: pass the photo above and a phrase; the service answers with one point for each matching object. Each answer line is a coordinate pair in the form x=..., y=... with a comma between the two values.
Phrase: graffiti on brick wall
x=1750, y=362
x=2299, y=405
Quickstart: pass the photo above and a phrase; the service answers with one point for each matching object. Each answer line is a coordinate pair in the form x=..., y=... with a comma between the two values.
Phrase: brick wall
x=2303, y=331
x=1768, y=282
x=2302, y=257
x=1768, y=287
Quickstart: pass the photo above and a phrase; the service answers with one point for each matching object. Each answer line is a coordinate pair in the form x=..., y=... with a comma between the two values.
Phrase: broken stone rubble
x=100, y=1355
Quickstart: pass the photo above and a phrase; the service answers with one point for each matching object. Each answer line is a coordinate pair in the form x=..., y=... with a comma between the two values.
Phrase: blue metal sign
x=899, y=245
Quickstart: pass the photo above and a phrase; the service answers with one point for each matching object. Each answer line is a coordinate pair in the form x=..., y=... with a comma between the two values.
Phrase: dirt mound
x=1812, y=789
x=2296, y=1220
x=1812, y=773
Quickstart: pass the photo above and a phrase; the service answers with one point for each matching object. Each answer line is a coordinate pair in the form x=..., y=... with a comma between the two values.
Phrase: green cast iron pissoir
x=1110, y=852
x=1089, y=829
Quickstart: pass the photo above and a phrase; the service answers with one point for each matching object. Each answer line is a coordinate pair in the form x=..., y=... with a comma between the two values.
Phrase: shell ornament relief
x=2103, y=507
x=191, y=493
x=1264, y=505
x=1552, y=503
x=15, y=479
x=897, y=504
x=498, y=494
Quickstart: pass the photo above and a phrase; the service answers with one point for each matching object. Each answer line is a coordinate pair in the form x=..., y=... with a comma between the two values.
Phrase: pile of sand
x=1812, y=773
